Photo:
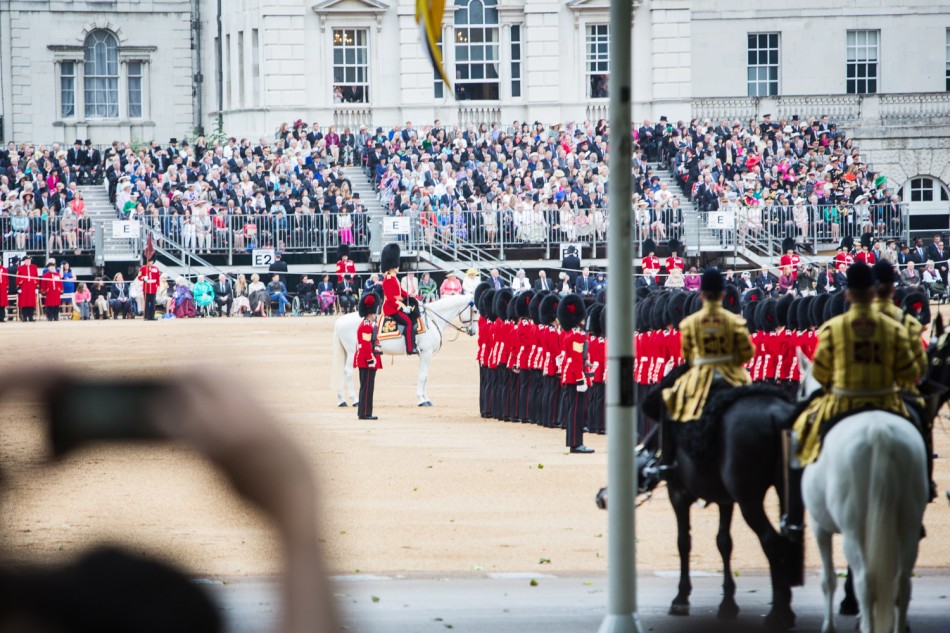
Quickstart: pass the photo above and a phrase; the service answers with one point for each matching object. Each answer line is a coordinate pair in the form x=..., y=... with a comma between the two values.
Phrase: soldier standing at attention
x=716, y=344
x=571, y=314
x=366, y=359
x=150, y=276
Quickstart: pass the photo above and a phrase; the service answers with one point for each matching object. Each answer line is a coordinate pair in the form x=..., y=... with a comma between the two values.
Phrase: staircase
x=102, y=213
x=374, y=208
x=697, y=237
x=187, y=262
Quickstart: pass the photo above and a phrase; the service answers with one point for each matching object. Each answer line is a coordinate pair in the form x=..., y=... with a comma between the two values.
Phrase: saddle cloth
x=389, y=328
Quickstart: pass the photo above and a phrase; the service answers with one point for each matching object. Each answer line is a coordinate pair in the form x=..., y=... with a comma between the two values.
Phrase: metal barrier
x=47, y=235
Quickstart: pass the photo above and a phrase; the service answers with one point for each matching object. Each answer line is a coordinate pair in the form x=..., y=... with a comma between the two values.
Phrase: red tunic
x=150, y=276
x=641, y=371
x=51, y=286
x=393, y=292
x=843, y=258
x=343, y=267
x=868, y=258
x=27, y=280
x=572, y=367
x=552, y=348
x=674, y=262
x=597, y=356
x=484, y=335
x=792, y=260
x=4, y=287
x=364, y=347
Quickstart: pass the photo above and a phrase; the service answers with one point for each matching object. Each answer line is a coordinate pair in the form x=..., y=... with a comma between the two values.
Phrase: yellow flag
x=429, y=16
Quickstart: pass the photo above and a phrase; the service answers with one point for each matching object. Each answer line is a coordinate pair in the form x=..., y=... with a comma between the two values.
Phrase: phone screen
x=95, y=411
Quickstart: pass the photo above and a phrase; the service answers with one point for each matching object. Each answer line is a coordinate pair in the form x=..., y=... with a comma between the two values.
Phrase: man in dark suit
x=918, y=254
x=92, y=164
x=347, y=293
x=646, y=281
x=584, y=283
x=497, y=283
x=543, y=283
x=280, y=267
x=223, y=296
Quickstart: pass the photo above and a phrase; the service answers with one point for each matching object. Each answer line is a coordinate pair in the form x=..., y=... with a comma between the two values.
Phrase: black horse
x=732, y=456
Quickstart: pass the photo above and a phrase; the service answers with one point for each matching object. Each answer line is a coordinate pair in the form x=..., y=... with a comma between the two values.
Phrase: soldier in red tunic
x=650, y=263
x=597, y=368
x=483, y=336
x=571, y=314
x=4, y=292
x=674, y=260
x=395, y=304
x=790, y=258
x=51, y=287
x=150, y=276
x=524, y=335
x=844, y=254
x=27, y=281
x=501, y=353
x=345, y=264
x=550, y=350
x=366, y=359
x=866, y=255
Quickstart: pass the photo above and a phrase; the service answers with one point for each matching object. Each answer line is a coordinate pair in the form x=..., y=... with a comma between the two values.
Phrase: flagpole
x=622, y=616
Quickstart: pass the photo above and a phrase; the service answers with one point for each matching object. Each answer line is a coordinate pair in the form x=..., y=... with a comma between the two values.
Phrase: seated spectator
x=470, y=282
x=932, y=280
x=258, y=296
x=520, y=282
x=451, y=285
x=81, y=301
x=909, y=276
x=373, y=284
x=137, y=296
x=428, y=289
x=306, y=291
x=278, y=293
x=410, y=285
x=99, y=298
x=327, y=294
x=564, y=284
x=675, y=279
x=348, y=293
x=119, y=298
x=223, y=295
x=786, y=282
x=692, y=279
x=204, y=295
x=242, y=304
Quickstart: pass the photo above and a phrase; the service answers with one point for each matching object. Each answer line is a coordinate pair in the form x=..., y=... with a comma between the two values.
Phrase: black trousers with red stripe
x=596, y=408
x=403, y=319
x=499, y=395
x=512, y=405
x=367, y=386
x=573, y=412
x=549, y=404
x=482, y=389
x=526, y=395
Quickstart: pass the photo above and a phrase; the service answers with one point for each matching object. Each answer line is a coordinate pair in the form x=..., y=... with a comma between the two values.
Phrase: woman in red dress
x=395, y=301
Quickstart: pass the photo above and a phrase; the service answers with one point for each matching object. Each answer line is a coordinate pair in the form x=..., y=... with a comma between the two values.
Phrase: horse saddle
x=390, y=328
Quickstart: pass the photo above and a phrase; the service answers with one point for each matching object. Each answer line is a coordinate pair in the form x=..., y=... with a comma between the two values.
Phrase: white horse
x=870, y=485
x=437, y=316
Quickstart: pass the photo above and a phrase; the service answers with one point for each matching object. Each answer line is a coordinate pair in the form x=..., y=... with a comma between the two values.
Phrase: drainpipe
x=197, y=79
x=219, y=57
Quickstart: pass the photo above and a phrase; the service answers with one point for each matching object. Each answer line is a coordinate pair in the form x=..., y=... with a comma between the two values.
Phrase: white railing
x=352, y=116
x=596, y=112
x=478, y=114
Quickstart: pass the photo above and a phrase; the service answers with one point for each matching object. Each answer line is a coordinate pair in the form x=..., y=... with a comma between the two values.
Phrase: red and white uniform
x=572, y=367
x=597, y=358
x=843, y=258
x=364, y=347
x=343, y=267
x=867, y=257
x=792, y=260
x=27, y=281
x=484, y=338
x=394, y=293
x=674, y=262
x=150, y=276
x=650, y=263
x=51, y=286
x=4, y=287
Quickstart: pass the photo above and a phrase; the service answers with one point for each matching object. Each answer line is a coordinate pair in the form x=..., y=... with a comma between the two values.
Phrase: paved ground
x=507, y=603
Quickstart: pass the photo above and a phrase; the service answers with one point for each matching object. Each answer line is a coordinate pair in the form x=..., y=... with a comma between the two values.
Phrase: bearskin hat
x=643, y=292
x=675, y=247
x=839, y=303
x=752, y=294
x=829, y=311
x=593, y=319
x=804, y=313
x=791, y=321
x=731, y=300
x=694, y=303
x=645, y=313
x=781, y=308
x=817, y=309
x=676, y=308
x=712, y=281
x=523, y=304
x=847, y=243
x=486, y=304
x=390, y=257
x=766, y=315
x=788, y=244
x=860, y=276
x=603, y=322
x=368, y=305
x=648, y=246
x=884, y=273
x=917, y=305
x=658, y=316
x=748, y=313
x=500, y=303
x=480, y=289
x=899, y=295
x=513, y=308
x=867, y=239
x=342, y=250
x=571, y=312
x=548, y=308
x=534, y=307
x=601, y=296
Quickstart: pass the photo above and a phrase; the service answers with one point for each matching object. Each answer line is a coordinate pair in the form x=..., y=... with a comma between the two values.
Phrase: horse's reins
x=449, y=322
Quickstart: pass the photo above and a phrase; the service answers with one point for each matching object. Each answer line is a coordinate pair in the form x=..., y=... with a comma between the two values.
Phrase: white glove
x=559, y=359
x=582, y=386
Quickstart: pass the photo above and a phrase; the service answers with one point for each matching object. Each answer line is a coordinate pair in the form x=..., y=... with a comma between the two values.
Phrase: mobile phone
x=82, y=412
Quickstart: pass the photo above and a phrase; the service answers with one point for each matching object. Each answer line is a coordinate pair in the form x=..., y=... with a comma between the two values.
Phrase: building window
x=350, y=66
x=67, y=89
x=476, y=50
x=763, y=64
x=101, y=75
x=135, y=89
x=862, y=62
x=516, y=60
x=598, y=60
x=438, y=86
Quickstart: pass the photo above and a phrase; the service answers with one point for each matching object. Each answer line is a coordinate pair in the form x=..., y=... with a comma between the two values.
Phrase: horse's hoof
x=728, y=611
x=780, y=620
x=342, y=404
x=679, y=609
x=849, y=607
x=356, y=404
x=425, y=404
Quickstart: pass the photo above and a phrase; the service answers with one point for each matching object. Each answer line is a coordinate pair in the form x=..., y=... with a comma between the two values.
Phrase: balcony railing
x=351, y=115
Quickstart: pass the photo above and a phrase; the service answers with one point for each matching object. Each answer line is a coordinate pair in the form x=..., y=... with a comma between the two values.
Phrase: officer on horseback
x=716, y=345
x=861, y=359
x=396, y=302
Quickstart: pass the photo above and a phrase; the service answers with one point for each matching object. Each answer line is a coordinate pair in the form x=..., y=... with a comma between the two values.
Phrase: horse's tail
x=881, y=534
x=339, y=357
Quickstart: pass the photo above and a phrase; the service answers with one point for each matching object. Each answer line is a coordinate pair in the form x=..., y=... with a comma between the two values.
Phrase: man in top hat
x=790, y=260
x=674, y=260
x=4, y=291
x=345, y=264
x=395, y=304
x=27, y=282
x=717, y=346
x=571, y=315
x=862, y=358
x=366, y=359
x=51, y=287
x=92, y=164
x=150, y=276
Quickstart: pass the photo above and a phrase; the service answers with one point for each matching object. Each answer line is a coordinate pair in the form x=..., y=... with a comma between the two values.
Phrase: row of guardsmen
x=542, y=358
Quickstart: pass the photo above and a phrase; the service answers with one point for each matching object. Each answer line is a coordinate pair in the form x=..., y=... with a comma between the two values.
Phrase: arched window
x=101, y=75
x=476, y=49
x=924, y=189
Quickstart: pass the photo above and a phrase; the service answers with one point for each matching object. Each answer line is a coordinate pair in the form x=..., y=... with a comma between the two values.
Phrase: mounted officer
x=397, y=302
x=716, y=345
x=861, y=359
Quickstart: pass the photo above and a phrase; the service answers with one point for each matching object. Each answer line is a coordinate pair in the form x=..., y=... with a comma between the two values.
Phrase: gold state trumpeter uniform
x=862, y=355
x=716, y=344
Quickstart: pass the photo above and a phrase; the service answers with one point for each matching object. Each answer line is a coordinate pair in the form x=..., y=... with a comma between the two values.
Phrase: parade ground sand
x=422, y=490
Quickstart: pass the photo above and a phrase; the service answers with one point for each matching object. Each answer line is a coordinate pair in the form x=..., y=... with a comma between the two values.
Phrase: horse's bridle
x=451, y=321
